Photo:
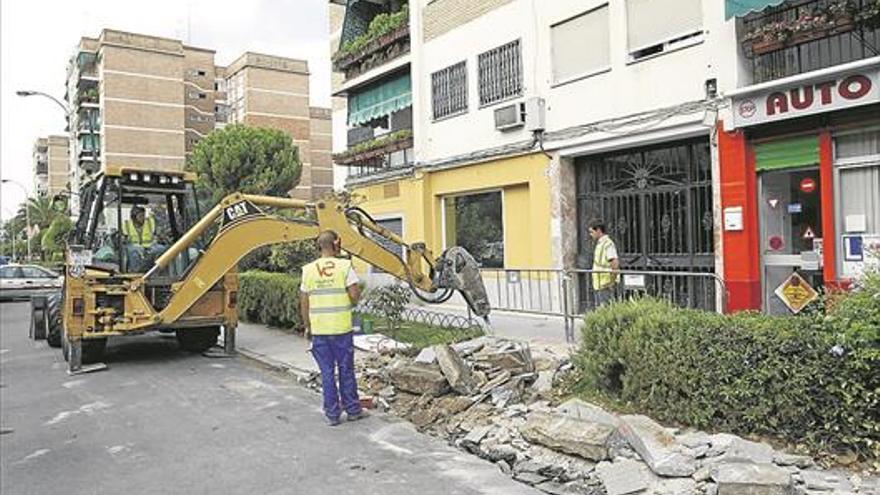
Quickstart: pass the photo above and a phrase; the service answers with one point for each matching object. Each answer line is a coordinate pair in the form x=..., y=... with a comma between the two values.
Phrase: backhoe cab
x=175, y=269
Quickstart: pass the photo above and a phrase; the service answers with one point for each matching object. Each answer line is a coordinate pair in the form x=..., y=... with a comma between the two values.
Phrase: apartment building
x=268, y=91
x=145, y=102
x=799, y=149
x=509, y=112
x=516, y=123
x=50, y=165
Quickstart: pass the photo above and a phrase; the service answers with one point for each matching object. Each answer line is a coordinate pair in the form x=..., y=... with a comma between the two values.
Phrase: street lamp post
x=27, y=214
x=67, y=112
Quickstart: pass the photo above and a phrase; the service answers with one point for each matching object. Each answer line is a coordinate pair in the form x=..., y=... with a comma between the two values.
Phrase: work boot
x=356, y=417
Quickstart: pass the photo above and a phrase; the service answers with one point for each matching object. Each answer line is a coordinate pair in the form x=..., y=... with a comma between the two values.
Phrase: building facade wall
x=59, y=160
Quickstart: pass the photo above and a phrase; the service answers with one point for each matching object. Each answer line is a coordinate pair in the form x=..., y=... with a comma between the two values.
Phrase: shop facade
x=800, y=185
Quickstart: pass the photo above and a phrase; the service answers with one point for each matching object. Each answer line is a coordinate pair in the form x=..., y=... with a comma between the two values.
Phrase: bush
x=270, y=298
x=812, y=379
x=388, y=302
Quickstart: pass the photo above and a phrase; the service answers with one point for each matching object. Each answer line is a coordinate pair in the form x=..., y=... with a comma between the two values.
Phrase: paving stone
x=743, y=478
x=472, y=440
x=675, y=486
x=623, y=476
x=553, y=488
x=825, y=481
x=456, y=370
x=695, y=439
x=585, y=411
x=801, y=461
x=529, y=478
x=468, y=347
x=426, y=356
x=544, y=383
x=744, y=450
x=657, y=447
x=569, y=435
x=419, y=379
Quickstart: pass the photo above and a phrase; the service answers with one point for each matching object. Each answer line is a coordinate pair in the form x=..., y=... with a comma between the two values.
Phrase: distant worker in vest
x=140, y=232
x=329, y=290
x=605, y=264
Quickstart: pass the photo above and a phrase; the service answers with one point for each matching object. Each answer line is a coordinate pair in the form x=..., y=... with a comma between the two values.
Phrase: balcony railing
x=802, y=36
x=386, y=39
x=377, y=155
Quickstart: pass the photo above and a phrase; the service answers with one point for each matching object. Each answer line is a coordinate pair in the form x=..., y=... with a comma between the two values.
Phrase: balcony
x=88, y=97
x=803, y=36
x=393, y=150
x=386, y=38
x=42, y=168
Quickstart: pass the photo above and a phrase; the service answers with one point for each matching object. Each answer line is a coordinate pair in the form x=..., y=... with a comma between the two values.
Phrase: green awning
x=379, y=100
x=739, y=8
x=789, y=153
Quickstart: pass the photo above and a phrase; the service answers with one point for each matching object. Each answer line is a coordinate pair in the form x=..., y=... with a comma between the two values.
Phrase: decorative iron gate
x=657, y=205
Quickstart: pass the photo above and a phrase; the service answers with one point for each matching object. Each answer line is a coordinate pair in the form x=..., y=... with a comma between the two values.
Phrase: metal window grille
x=449, y=90
x=500, y=73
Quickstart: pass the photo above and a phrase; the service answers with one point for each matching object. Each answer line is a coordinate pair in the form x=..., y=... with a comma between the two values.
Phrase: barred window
x=500, y=73
x=449, y=90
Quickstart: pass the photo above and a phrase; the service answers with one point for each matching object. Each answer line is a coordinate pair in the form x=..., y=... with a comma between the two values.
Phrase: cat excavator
x=191, y=288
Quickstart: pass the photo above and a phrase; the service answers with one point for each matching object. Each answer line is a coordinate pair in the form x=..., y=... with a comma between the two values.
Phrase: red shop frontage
x=800, y=184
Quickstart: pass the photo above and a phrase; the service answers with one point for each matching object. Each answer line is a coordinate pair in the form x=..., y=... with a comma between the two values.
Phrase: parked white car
x=23, y=281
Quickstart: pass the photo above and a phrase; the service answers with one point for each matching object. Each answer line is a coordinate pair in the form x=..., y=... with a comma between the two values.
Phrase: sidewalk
x=286, y=350
x=275, y=347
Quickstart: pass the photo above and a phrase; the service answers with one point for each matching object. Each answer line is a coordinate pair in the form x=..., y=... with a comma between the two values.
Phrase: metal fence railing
x=569, y=293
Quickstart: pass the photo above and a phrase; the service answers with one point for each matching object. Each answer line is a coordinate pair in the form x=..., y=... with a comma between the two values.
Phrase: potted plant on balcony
x=89, y=96
x=838, y=17
x=375, y=149
x=869, y=15
x=385, y=30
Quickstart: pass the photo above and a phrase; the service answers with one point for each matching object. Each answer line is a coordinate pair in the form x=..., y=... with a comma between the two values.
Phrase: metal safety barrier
x=569, y=293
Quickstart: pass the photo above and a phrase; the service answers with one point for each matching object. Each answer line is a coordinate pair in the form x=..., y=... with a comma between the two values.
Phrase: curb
x=303, y=376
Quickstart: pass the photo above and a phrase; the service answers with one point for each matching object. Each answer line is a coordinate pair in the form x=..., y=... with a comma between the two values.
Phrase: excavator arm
x=245, y=226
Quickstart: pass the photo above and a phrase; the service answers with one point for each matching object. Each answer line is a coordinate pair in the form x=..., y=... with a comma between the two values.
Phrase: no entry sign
x=808, y=185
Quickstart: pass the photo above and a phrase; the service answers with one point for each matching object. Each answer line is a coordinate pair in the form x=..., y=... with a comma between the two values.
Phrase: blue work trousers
x=334, y=352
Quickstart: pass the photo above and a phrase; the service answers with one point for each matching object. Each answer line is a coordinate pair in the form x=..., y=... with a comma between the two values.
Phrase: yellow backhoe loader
x=114, y=287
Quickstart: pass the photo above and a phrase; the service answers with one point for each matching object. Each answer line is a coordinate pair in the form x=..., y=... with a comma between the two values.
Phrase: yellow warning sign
x=796, y=293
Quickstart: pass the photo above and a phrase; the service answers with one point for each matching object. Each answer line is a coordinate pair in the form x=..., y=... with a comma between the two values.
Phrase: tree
x=55, y=237
x=245, y=159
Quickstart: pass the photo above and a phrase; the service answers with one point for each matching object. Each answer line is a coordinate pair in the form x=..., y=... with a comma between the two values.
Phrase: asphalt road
x=161, y=420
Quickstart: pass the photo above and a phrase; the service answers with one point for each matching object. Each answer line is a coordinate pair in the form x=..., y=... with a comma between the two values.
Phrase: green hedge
x=270, y=298
x=812, y=379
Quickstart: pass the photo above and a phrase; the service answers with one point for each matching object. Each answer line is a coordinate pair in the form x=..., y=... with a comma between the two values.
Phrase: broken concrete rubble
x=504, y=414
x=585, y=411
x=419, y=379
x=657, y=447
x=569, y=435
x=623, y=476
x=456, y=371
x=738, y=478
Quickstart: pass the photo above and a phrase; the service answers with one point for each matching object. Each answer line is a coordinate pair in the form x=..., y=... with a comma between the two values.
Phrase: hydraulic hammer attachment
x=457, y=269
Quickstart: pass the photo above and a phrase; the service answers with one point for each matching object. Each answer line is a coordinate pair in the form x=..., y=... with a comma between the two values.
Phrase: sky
x=37, y=38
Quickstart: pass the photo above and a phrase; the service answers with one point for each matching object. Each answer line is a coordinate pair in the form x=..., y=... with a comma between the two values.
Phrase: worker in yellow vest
x=605, y=264
x=328, y=292
x=140, y=232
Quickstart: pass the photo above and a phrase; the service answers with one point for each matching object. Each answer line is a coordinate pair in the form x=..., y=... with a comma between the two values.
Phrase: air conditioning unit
x=509, y=117
x=530, y=113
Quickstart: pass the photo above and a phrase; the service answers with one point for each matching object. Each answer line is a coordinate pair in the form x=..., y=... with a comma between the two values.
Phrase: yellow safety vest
x=144, y=238
x=602, y=274
x=329, y=304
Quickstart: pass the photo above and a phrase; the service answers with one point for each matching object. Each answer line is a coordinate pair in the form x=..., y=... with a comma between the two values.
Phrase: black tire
x=38, y=322
x=197, y=339
x=92, y=349
x=53, y=311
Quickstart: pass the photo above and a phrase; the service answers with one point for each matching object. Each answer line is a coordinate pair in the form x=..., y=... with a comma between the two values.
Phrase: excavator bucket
x=457, y=269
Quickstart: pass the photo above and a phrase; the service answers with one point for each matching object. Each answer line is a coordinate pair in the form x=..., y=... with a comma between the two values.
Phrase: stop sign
x=808, y=185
